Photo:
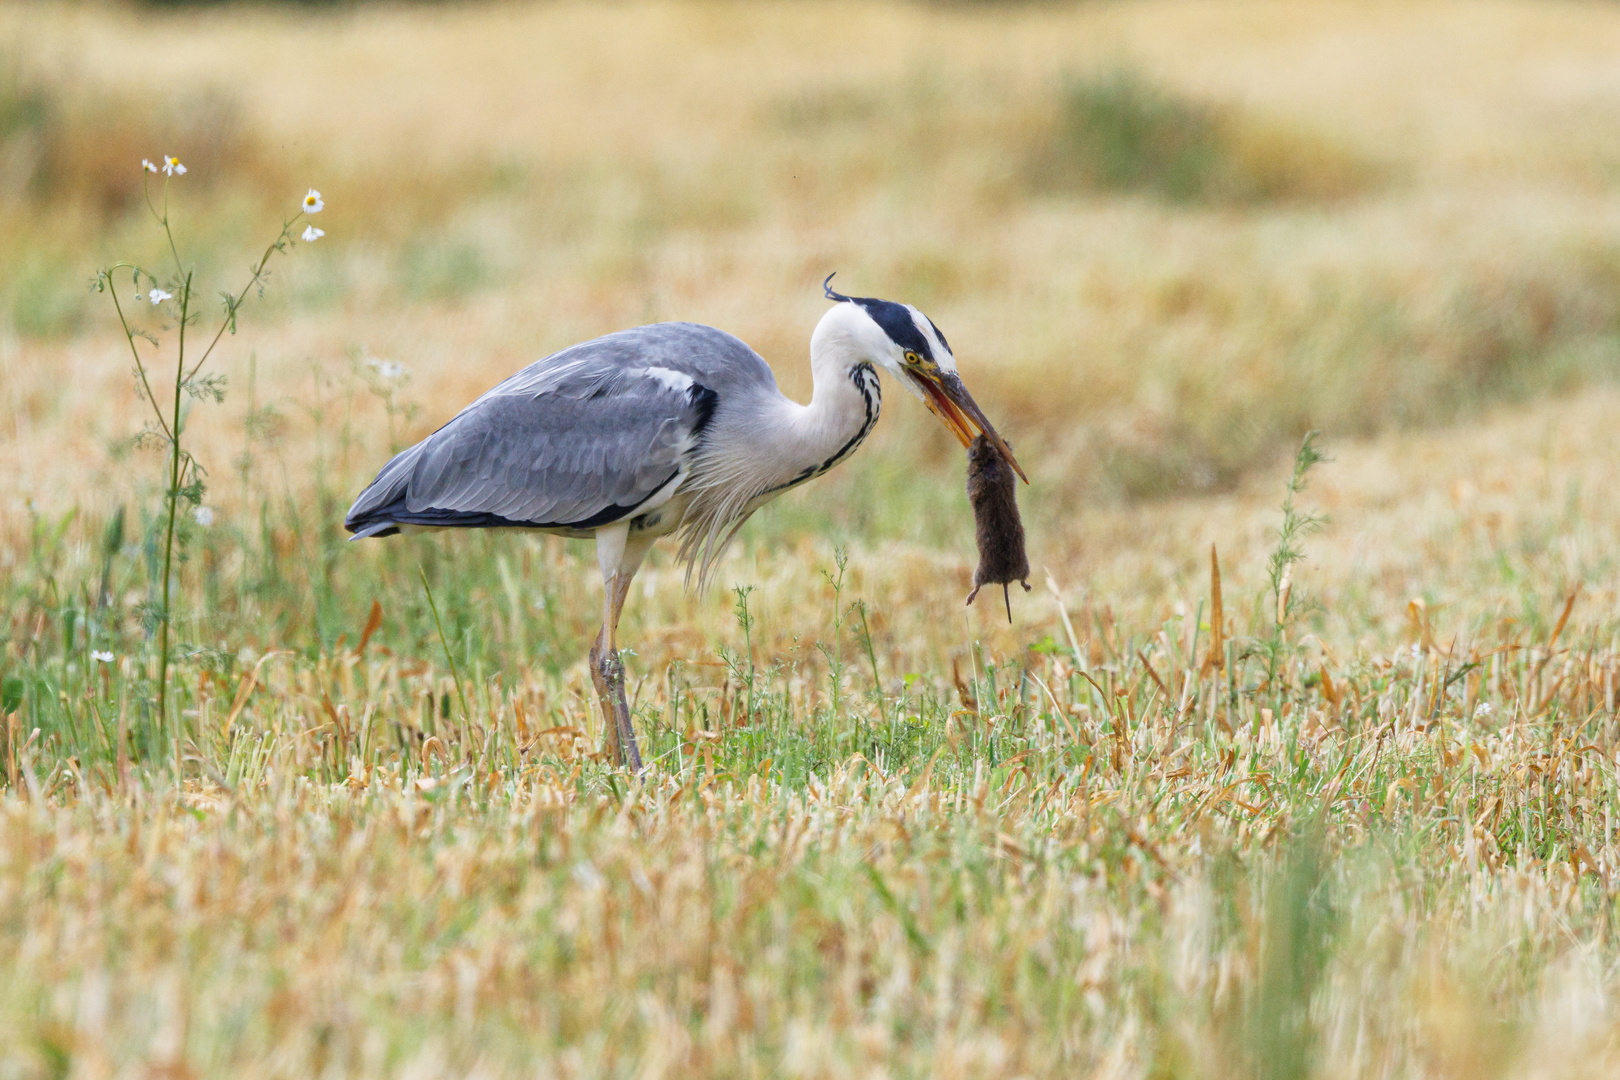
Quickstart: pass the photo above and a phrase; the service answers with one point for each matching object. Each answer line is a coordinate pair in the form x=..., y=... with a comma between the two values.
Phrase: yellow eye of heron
x=913, y=359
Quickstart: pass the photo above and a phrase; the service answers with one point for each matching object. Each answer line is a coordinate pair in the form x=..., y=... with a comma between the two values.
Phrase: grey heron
x=673, y=428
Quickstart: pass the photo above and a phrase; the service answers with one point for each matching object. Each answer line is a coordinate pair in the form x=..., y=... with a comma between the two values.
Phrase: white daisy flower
x=172, y=166
x=313, y=203
x=157, y=296
x=148, y=166
x=388, y=370
x=312, y=234
x=102, y=657
x=203, y=515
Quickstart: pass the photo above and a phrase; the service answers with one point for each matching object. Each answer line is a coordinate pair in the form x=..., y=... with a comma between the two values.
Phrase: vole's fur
x=992, y=489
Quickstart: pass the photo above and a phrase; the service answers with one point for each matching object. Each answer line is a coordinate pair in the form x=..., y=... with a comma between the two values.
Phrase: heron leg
x=620, y=557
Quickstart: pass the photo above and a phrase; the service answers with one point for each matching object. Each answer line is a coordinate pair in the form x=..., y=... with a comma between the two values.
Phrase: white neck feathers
x=772, y=444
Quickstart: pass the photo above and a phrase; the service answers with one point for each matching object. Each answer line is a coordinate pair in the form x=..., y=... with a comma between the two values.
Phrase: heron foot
x=607, y=674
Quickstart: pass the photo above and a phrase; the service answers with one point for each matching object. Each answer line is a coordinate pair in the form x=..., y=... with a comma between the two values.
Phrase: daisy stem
x=173, y=496
x=236, y=301
x=179, y=268
x=146, y=192
x=140, y=368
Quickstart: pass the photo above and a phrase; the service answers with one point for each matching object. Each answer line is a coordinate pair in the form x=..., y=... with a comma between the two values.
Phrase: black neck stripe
x=866, y=381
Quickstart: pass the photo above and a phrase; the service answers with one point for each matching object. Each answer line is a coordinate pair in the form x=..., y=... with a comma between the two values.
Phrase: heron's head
x=906, y=342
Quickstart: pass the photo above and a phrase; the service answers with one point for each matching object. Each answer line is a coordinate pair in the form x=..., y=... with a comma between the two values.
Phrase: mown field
x=1200, y=810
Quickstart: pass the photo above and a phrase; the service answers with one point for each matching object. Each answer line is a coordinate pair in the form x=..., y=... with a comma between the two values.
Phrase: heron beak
x=949, y=400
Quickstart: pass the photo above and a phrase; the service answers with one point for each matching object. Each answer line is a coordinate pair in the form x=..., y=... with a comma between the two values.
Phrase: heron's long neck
x=768, y=444
x=810, y=439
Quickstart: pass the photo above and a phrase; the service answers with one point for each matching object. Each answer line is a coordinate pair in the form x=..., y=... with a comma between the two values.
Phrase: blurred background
x=1165, y=238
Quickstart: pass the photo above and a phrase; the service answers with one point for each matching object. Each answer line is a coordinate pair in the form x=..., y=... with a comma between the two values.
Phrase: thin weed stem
x=172, y=497
x=1296, y=525
x=444, y=644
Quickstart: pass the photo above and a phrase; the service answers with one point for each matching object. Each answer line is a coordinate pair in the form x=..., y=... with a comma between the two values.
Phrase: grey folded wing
x=579, y=440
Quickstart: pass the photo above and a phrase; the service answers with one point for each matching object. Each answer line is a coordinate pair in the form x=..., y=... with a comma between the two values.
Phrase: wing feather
x=576, y=440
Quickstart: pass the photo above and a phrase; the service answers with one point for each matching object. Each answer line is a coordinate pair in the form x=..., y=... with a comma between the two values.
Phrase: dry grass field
x=1152, y=828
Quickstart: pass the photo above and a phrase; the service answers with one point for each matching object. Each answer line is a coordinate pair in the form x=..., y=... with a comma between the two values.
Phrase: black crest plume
x=894, y=319
x=831, y=293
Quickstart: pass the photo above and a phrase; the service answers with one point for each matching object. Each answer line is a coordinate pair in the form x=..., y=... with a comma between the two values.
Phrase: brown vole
x=999, y=532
